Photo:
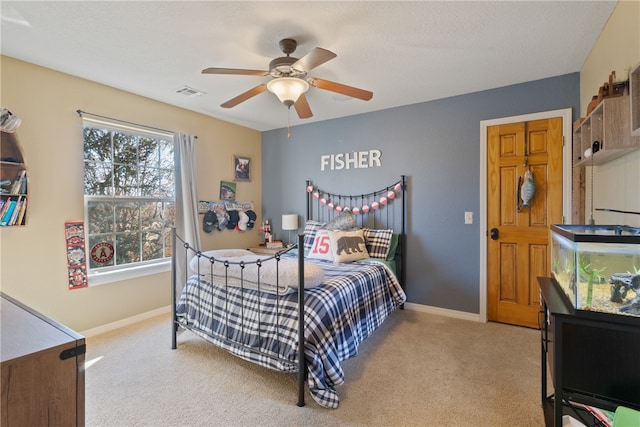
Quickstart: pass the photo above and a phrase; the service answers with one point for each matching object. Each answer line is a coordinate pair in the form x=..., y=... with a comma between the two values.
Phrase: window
x=129, y=193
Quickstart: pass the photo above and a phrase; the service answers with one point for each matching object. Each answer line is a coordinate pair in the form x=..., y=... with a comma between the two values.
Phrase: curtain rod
x=80, y=113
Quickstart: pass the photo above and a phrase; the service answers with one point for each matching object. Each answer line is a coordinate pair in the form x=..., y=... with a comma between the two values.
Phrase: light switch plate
x=468, y=217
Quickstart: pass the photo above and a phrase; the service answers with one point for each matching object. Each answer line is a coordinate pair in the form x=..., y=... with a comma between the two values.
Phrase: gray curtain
x=186, y=200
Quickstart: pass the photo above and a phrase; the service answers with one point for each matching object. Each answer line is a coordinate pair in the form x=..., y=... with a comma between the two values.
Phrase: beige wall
x=616, y=185
x=33, y=260
x=617, y=48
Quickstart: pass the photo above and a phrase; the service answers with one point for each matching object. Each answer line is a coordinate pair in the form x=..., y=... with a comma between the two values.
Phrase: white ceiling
x=404, y=52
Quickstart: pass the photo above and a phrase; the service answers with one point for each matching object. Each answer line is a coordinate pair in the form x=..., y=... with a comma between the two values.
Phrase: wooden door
x=518, y=239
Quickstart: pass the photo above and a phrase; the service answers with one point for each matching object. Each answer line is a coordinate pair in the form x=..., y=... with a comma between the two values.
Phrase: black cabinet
x=593, y=358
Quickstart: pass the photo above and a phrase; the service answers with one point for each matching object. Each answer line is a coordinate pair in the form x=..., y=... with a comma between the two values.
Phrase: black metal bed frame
x=371, y=219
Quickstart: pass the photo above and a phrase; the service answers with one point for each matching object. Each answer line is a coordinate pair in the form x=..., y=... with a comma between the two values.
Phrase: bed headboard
x=384, y=208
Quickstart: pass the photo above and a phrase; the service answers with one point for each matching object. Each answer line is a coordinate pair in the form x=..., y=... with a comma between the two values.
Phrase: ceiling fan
x=289, y=79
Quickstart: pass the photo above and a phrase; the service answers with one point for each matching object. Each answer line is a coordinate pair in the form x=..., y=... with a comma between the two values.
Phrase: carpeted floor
x=418, y=369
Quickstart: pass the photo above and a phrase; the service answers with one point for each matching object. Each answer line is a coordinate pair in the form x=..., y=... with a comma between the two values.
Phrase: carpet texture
x=418, y=369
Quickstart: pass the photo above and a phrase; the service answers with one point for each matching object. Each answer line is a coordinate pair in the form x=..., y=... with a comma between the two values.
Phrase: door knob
x=494, y=234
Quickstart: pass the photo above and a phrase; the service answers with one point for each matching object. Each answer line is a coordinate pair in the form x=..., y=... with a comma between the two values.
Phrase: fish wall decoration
x=528, y=189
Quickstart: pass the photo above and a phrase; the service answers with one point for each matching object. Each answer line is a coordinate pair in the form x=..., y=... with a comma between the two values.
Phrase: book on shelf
x=19, y=183
x=23, y=185
x=23, y=209
x=276, y=244
x=14, y=216
x=12, y=210
x=6, y=216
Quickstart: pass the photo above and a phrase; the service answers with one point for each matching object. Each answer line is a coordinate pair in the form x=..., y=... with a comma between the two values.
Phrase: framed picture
x=227, y=190
x=241, y=168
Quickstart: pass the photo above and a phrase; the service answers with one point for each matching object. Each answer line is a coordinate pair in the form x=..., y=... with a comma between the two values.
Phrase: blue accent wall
x=437, y=145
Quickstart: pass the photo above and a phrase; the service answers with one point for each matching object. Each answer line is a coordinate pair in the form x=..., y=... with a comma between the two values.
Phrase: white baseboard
x=162, y=310
x=442, y=311
x=125, y=322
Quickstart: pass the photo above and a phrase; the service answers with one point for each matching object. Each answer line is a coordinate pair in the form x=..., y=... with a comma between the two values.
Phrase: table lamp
x=290, y=222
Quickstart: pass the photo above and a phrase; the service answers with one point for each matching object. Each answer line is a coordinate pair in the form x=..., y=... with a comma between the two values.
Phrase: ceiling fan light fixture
x=288, y=89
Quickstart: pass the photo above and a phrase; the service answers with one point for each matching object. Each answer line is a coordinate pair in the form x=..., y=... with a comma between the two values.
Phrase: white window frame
x=129, y=271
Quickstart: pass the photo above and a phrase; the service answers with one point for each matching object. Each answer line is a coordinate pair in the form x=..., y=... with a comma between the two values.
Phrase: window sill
x=103, y=278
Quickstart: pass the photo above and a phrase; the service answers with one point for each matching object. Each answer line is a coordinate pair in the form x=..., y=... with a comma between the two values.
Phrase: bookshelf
x=13, y=180
x=605, y=134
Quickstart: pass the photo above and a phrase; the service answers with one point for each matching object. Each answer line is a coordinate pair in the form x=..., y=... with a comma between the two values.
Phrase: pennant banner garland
x=363, y=204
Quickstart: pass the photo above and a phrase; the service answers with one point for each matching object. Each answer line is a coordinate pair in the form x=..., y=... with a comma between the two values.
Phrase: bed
x=302, y=310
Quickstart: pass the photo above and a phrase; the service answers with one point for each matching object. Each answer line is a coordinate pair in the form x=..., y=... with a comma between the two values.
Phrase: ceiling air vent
x=189, y=91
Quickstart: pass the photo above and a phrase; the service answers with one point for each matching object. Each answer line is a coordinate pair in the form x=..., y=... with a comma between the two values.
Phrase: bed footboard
x=236, y=341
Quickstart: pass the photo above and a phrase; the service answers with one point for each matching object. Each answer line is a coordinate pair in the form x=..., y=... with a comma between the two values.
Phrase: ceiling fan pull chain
x=289, y=123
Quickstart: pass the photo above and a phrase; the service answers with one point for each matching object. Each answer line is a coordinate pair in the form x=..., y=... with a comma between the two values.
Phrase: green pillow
x=391, y=255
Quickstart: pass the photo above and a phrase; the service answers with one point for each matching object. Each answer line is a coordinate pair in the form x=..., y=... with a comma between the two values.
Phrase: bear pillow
x=348, y=246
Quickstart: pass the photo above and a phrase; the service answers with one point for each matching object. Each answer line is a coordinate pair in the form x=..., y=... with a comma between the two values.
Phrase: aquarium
x=598, y=267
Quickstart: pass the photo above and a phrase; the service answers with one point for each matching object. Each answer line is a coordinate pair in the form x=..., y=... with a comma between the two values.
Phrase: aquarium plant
x=592, y=275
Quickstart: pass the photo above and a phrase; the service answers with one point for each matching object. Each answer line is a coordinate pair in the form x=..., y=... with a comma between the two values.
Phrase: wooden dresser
x=42, y=365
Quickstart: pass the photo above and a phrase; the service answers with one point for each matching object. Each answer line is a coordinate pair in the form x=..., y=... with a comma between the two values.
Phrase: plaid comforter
x=352, y=302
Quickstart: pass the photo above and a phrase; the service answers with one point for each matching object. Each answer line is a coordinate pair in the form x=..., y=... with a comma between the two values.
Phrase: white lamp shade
x=290, y=222
x=288, y=89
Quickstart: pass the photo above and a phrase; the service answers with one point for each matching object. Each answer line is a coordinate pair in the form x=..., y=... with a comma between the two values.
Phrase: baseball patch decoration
x=102, y=252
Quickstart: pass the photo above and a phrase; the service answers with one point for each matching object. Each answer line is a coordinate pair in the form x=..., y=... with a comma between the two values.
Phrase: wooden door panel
x=538, y=212
x=508, y=272
x=508, y=145
x=537, y=140
x=538, y=267
x=508, y=183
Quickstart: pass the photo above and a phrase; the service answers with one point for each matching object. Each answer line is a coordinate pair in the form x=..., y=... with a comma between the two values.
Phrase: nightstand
x=263, y=250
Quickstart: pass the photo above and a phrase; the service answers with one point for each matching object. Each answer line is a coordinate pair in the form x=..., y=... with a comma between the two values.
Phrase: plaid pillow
x=378, y=242
x=310, y=229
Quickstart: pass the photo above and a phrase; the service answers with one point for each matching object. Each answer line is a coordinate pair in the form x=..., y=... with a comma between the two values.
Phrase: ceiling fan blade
x=311, y=60
x=244, y=96
x=237, y=71
x=353, y=92
x=302, y=107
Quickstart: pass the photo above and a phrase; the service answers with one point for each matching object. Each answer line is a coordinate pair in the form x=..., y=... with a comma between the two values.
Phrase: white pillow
x=205, y=264
x=321, y=248
x=275, y=276
x=348, y=246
